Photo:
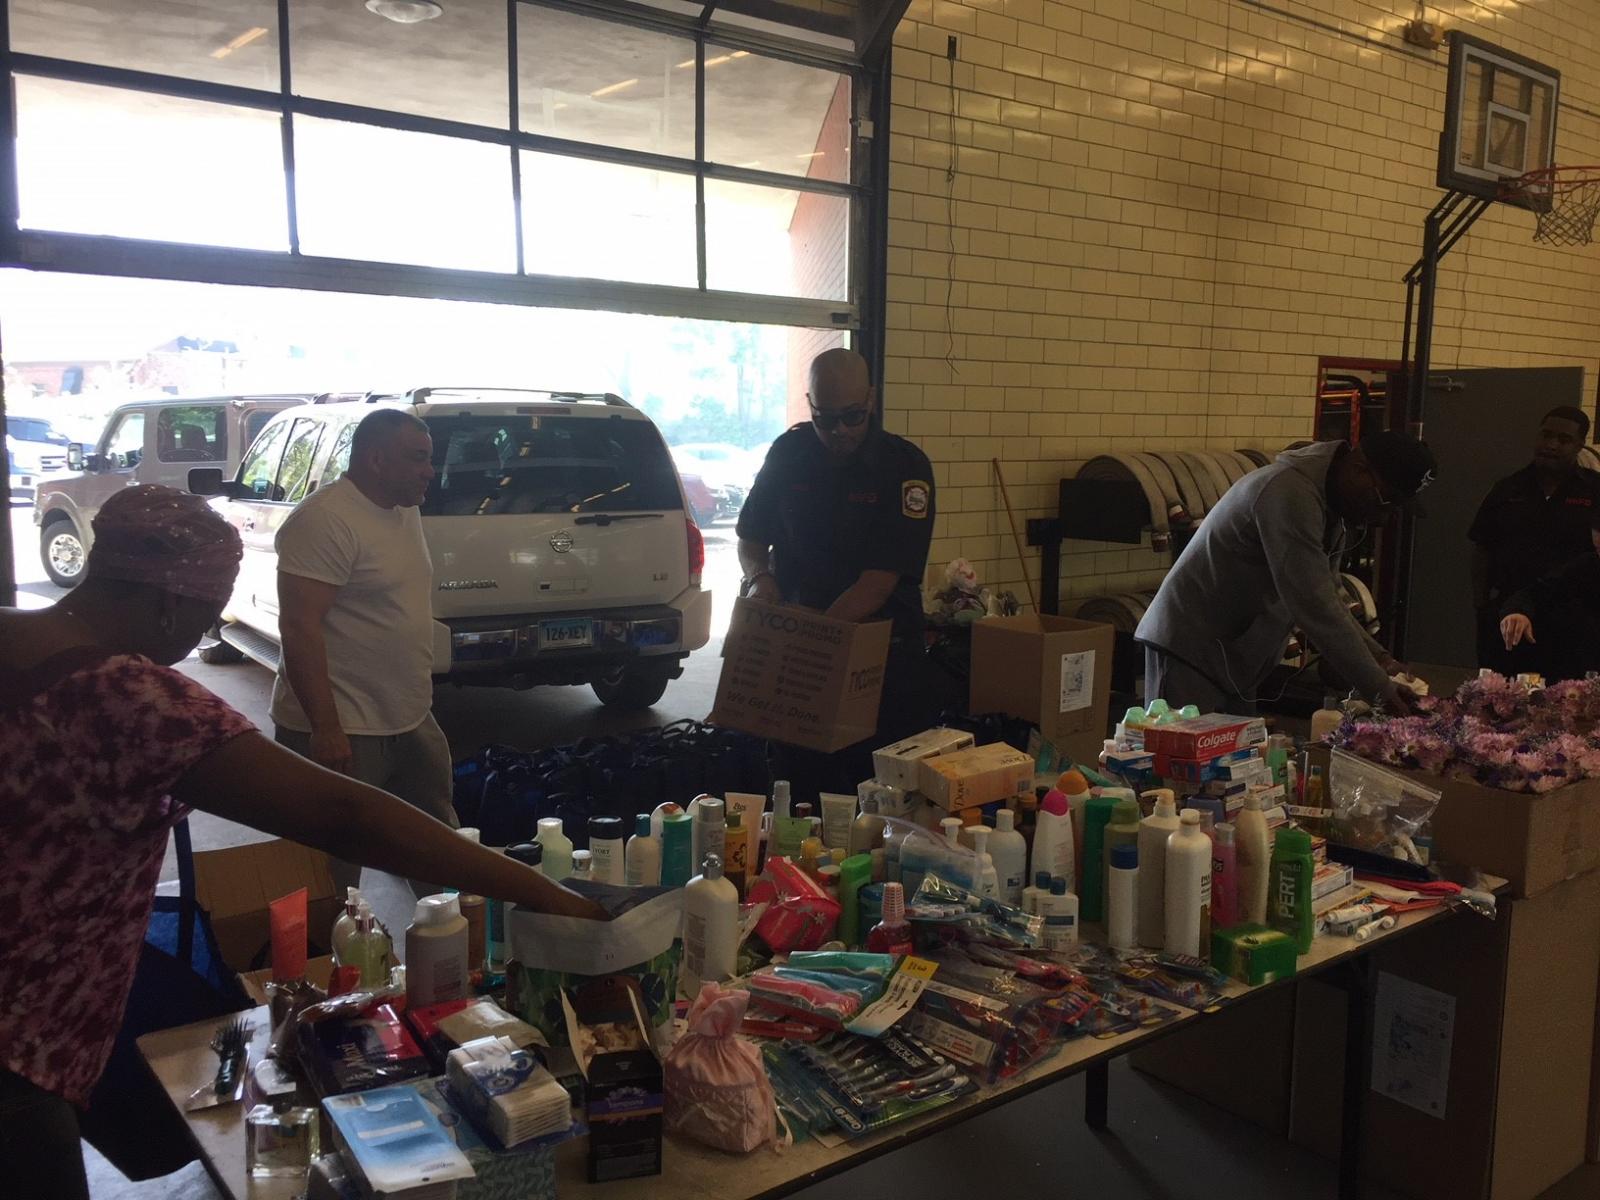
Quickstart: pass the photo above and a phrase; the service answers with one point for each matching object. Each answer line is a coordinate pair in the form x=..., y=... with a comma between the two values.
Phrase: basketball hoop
x=1565, y=201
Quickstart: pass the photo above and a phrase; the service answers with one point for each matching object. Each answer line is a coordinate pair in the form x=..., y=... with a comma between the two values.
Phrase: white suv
x=563, y=551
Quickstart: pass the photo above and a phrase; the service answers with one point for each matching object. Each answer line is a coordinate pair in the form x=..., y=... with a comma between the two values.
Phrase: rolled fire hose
x=1256, y=456
x=1225, y=460
x=1122, y=467
x=1165, y=481
x=1205, y=466
x=1194, y=499
x=1109, y=610
x=1246, y=464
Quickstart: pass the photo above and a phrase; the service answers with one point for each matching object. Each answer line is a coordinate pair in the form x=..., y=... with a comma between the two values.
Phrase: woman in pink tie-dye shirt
x=106, y=747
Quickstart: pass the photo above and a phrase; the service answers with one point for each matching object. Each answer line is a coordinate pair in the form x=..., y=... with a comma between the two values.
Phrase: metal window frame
x=114, y=255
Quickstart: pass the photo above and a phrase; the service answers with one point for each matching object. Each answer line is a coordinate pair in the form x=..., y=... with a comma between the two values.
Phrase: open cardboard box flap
x=236, y=885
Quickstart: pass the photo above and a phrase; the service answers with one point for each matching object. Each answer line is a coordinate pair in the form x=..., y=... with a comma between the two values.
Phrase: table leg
x=1096, y=1093
x=1359, y=991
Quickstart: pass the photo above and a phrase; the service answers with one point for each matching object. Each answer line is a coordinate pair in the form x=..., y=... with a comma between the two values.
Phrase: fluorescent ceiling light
x=406, y=12
x=240, y=42
x=612, y=87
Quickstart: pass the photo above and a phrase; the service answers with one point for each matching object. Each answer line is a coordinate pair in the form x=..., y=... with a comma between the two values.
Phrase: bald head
x=842, y=400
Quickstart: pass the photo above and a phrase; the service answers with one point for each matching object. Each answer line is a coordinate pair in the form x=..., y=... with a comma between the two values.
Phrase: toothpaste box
x=1210, y=736
x=1196, y=770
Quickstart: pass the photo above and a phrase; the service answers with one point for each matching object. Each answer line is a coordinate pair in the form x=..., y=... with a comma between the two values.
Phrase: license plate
x=577, y=631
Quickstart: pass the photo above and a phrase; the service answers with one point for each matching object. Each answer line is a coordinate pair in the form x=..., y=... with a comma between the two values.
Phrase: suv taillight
x=697, y=551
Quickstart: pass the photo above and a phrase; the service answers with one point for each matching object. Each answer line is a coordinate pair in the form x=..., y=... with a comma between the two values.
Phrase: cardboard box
x=236, y=885
x=795, y=676
x=975, y=777
x=1515, y=1112
x=318, y=971
x=896, y=764
x=1053, y=671
x=623, y=1088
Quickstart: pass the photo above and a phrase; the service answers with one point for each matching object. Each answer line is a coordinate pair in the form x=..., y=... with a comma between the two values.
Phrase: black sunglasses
x=849, y=417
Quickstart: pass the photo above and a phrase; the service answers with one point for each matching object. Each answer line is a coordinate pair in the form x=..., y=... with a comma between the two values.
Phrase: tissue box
x=622, y=1079
x=526, y=1173
x=1253, y=954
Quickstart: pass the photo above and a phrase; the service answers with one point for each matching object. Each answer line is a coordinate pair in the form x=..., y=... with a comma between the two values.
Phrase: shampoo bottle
x=557, y=850
x=1154, y=831
x=1052, y=839
x=659, y=816
x=1075, y=788
x=1250, y=834
x=1224, y=878
x=677, y=833
x=436, y=953
x=1123, y=830
x=1091, y=884
x=710, y=928
x=710, y=834
x=1122, y=898
x=642, y=858
x=606, y=851
x=1289, y=894
x=1010, y=855
x=866, y=831
x=1188, y=890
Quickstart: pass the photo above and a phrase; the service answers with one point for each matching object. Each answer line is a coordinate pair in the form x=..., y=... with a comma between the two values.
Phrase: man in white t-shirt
x=354, y=690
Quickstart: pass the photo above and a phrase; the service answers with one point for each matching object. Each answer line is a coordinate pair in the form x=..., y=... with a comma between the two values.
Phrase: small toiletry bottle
x=1224, y=878
x=557, y=848
x=1059, y=908
x=891, y=935
x=1154, y=831
x=866, y=831
x=736, y=852
x=1188, y=889
x=989, y=884
x=370, y=949
x=1254, y=857
x=1122, y=897
x=643, y=855
x=855, y=873
x=1290, y=890
x=280, y=1140
x=582, y=866
x=344, y=928
x=1030, y=894
x=529, y=854
x=677, y=840
x=810, y=856
x=1123, y=830
x=710, y=928
x=710, y=828
x=436, y=952
x=1091, y=880
x=1010, y=855
x=606, y=851
x=838, y=815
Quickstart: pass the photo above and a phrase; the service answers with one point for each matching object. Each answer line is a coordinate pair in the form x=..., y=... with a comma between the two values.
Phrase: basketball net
x=1564, y=200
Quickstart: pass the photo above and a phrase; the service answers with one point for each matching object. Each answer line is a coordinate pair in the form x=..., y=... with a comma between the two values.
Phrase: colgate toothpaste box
x=1210, y=736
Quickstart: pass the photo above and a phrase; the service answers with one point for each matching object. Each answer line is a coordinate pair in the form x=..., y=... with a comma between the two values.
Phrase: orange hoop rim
x=1550, y=180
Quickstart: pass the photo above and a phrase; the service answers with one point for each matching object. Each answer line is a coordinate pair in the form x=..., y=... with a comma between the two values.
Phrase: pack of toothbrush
x=857, y=1085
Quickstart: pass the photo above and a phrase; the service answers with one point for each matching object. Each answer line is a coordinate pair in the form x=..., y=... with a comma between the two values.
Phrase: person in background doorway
x=105, y=750
x=1531, y=522
x=839, y=519
x=1558, y=614
x=1265, y=561
x=354, y=691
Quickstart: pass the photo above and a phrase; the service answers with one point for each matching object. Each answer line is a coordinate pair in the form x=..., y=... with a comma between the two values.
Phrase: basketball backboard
x=1499, y=119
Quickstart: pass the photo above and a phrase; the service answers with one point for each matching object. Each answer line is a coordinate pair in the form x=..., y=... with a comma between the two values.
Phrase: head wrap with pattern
x=168, y=539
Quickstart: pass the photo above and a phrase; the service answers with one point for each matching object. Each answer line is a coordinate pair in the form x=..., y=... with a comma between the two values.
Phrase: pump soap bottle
x=1154, y=831
x=710, y=928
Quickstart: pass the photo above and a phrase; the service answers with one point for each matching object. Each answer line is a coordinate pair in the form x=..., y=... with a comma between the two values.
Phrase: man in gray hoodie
x=1265, y=561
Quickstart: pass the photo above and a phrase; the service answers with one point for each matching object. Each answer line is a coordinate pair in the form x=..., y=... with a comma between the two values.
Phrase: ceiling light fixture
x=813, y=154
x=612, y=87
x=240, y=42
x=406, y=12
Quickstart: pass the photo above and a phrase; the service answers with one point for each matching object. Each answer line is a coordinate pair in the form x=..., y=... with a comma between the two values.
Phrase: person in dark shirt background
x=839, y=520
x=1531, y=523
x=1558, y=615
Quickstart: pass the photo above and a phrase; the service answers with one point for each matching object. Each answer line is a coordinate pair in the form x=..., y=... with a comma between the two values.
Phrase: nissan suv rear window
x=548, y=463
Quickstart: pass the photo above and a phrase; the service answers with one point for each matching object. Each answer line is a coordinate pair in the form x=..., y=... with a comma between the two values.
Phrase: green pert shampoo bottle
x=1289, y=889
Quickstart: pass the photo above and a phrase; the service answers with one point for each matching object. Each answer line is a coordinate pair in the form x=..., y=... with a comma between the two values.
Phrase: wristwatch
x=748, y=583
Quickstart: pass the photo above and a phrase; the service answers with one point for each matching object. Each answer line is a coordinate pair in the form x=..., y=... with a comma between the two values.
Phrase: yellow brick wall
x=1162, y=212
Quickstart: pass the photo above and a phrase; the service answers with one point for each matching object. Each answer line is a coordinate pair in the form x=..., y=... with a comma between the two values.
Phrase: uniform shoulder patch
x=914, y=496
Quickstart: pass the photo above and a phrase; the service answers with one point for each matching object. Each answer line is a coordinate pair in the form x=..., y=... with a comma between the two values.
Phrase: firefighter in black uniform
x=839, y=520
x=1531, y=523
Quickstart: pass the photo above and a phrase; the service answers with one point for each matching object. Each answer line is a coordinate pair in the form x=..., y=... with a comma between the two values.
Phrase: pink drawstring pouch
x=716, y=1081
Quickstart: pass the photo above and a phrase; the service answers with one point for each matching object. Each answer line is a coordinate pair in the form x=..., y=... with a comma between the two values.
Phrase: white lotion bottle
x=436, y=952
x=1052, y=840
x=557, y=848
x=1255, y=860
x=1154, y=831
x=1188, y=898
x=642, y=865
x=1059, y=908
x=710, y=928
x=1122, y=898
x=1009, y=850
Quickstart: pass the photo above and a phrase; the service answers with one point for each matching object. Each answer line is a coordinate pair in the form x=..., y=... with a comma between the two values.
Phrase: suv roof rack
x=426, y=395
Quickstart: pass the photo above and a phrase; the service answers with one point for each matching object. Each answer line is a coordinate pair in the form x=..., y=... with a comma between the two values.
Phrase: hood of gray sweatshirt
x=1263, y=561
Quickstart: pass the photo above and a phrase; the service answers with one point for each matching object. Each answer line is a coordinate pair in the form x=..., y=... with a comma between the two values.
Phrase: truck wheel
x=634, y=686
x=61, y=550
x=219, y=653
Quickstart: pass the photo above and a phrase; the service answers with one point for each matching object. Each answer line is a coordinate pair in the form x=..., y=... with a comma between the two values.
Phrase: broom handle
x=1016, y=540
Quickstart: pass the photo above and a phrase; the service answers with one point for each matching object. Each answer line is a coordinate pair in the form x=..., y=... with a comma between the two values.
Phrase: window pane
x=396, y=196
x=221, y=41
x=776, y=241
x=126, y=446
x=297, y=460
x=519, y=464
x=106, y=161
x=638, y=93
x=197, y=433
x=599, y=220
x=771, y=115
x=261, y=465
x=339, y=458
x=452, y=67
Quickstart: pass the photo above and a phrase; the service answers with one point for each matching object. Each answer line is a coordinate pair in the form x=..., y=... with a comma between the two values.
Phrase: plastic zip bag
x=1379, y=810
